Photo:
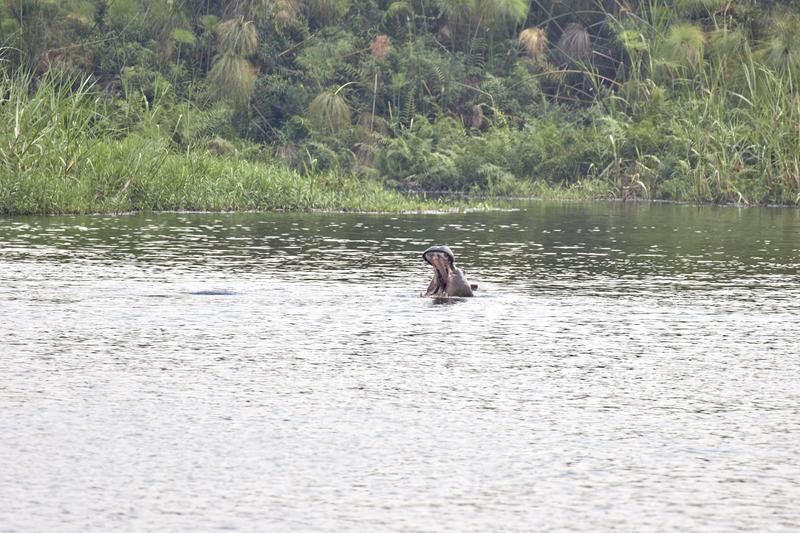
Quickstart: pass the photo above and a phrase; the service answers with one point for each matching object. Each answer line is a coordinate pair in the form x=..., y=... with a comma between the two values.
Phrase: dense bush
x=669, y=99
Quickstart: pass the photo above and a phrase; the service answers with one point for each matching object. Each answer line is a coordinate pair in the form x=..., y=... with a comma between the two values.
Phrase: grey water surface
x=622, y=367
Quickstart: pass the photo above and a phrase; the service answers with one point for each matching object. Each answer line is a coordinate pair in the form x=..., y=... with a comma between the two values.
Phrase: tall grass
x=723, y=129
x=740, y=146
x=45, y=139
x=691, y=111
x=61, y=152
x=698, y=111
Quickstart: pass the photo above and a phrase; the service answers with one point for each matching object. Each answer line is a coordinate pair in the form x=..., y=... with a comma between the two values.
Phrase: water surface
x=622, y=367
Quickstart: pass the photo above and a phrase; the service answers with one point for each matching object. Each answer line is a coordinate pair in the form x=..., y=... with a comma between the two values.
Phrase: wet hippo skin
x=448, y=279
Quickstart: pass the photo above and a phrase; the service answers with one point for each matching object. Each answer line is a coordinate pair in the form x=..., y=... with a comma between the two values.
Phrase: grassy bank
x=138, y=174
x=303, y=105
x=62, y=150
x=141, y=174
x=66, y=148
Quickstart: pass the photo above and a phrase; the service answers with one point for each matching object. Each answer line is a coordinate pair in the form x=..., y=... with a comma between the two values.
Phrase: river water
x=622, y=367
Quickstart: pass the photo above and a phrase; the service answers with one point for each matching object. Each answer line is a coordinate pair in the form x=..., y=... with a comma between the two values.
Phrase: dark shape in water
x=213, y=292
x=448, y=279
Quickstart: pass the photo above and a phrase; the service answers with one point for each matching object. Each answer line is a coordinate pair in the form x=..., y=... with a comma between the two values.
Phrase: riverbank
x=139, y=174
x=198, y=182
x=67, y=147
x=229, y=106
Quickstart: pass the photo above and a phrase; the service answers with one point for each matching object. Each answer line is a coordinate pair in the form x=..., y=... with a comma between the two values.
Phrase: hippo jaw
x=441, y=273
x=448, y=280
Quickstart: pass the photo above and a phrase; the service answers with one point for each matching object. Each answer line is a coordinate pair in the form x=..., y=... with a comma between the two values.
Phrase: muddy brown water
x=622, y=367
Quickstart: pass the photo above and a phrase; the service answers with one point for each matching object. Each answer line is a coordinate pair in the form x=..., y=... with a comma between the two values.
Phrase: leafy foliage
x=685, y=99
x=329, y=112
x=533, y=42
x=684, y=45
x=237, y=37
x=782, y=49
x=575, y=43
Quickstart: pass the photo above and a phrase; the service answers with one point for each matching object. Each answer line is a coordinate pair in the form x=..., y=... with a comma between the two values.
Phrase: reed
x=703, y=117
x=61, y=152
x=688, y=100
x=140, y=174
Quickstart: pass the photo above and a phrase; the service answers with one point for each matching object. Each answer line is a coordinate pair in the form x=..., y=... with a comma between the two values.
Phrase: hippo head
x=438, y=251
x=448, y=280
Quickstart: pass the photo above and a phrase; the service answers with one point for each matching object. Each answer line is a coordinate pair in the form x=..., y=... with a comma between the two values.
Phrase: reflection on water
x=620, y=368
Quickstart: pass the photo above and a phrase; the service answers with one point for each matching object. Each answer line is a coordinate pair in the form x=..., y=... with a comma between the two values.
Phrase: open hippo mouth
x=442, y=267
x=448, y=280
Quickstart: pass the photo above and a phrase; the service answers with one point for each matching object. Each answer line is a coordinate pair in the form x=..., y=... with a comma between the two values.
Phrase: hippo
x=448, y=279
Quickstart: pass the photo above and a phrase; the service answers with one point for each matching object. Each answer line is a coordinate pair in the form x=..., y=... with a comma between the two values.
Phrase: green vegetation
x=112, y=105
x=63, y=152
